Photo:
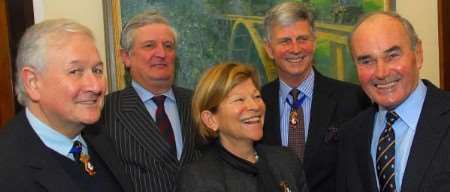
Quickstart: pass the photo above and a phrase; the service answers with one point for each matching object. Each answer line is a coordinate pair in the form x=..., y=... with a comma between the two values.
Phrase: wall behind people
x=422, y=14
x=424, y=17
x=86, y=12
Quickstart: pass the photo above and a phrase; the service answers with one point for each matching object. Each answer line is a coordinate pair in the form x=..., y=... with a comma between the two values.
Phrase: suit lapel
x=429, y=133
x=183, y=99
x=43, y=167
x=364, y=142
x=102, y=147
x=270, y=95
x=322, y=109
x=51, y=176
x=142, y=127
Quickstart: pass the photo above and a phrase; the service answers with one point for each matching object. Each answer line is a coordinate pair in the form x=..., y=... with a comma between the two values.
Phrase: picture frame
x=332, y=45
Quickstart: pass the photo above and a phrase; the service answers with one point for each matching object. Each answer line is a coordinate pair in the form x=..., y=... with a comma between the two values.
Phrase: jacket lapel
x=102, y=147
x=51, y=176
x=271, y=128
x=322, y=109
x=429, y=133
x=362, y=149
x=43, y=167
x=142, y=127
x=183, y=99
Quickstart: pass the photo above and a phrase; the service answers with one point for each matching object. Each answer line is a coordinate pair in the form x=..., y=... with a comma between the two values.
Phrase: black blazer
x=333, y=103
x=220, y=171
x=26, y=164
x=144, y=153
x=428, y=166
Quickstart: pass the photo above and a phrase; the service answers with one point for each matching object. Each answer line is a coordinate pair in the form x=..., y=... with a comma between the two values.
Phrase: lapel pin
x=88, y=167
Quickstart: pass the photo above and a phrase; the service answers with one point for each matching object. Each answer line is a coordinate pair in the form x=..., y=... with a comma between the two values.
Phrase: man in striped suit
x=149, y=122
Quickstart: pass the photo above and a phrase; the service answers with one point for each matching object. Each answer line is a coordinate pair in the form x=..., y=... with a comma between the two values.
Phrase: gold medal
x=284, y=186
x=88, y=167
x=294, y=117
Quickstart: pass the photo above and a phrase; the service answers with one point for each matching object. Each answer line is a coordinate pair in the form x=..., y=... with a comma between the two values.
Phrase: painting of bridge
x=211, y=31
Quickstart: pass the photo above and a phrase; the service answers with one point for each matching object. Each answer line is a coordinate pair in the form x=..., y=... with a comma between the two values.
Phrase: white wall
x=86, y=12
x=424, y=17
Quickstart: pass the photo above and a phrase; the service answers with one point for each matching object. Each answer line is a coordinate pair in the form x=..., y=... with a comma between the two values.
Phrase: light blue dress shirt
x=306, y=88
x=170, y=105
x=404, y=129
x=53, y=139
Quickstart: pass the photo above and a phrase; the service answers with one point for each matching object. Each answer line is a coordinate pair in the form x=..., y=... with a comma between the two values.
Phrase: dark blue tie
x=386, y=155
x=76, y=151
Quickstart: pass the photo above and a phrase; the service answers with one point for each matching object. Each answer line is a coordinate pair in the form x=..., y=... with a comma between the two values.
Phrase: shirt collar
x=145, y=95
x=306, y=87
x=405, y=110
x=52, y=138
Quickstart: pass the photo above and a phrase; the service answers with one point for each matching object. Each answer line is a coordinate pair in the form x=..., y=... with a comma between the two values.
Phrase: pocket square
x=332, y=135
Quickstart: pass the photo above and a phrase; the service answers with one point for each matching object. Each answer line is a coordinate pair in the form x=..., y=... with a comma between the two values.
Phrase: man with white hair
x=52, y=144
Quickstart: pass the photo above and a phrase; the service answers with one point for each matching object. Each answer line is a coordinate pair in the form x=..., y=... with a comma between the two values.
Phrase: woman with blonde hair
x=228, y=109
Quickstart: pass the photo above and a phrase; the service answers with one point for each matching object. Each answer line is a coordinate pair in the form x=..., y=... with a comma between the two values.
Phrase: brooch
x=88, y=167
x=284, y=186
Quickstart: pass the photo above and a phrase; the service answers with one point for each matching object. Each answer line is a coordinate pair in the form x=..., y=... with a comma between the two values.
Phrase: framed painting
x=211, y=31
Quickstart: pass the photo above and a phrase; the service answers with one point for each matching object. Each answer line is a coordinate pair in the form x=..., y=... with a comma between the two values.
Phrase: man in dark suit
x=52, y=146
x=401, y=143
x=150, y=121
x=309, y=123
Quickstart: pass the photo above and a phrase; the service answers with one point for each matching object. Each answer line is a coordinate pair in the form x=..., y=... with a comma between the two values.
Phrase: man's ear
x=209, y=119
x=268, y=49
x=31, y=82
x=125, y=57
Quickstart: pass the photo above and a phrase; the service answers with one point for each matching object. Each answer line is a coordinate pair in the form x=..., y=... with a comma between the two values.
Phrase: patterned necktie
x=386, y=155
x=163, y=123
x=76, y=150
x=296, y=140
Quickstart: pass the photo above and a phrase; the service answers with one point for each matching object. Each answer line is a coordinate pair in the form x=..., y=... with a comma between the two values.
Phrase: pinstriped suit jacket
x=144, y=153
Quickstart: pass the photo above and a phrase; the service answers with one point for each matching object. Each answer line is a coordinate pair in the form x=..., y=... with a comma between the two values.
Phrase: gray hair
x=286, y=14
x=412, y=35
x=140, y=20
x=34, y=45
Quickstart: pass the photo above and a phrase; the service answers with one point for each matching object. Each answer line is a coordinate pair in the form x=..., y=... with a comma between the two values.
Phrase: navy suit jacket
x=26, y=164
x=428, y=165
x=145, y=155
x=333, y=103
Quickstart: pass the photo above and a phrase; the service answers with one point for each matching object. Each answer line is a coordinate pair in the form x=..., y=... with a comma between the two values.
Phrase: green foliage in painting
x=373, y=5
x=208, y=34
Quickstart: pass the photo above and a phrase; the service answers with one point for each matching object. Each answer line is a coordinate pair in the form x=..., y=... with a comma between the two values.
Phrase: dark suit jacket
x=333, y=103
x=144, y=153
x=26, y=164
x=219, y=171
x=428, y=166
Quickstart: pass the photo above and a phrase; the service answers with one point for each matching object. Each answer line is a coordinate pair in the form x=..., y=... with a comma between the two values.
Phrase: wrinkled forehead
x=379, y=30
x=154, y=30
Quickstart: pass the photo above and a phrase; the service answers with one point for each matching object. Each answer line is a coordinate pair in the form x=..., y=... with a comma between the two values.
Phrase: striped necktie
x=386, y=155
x=163, y=123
